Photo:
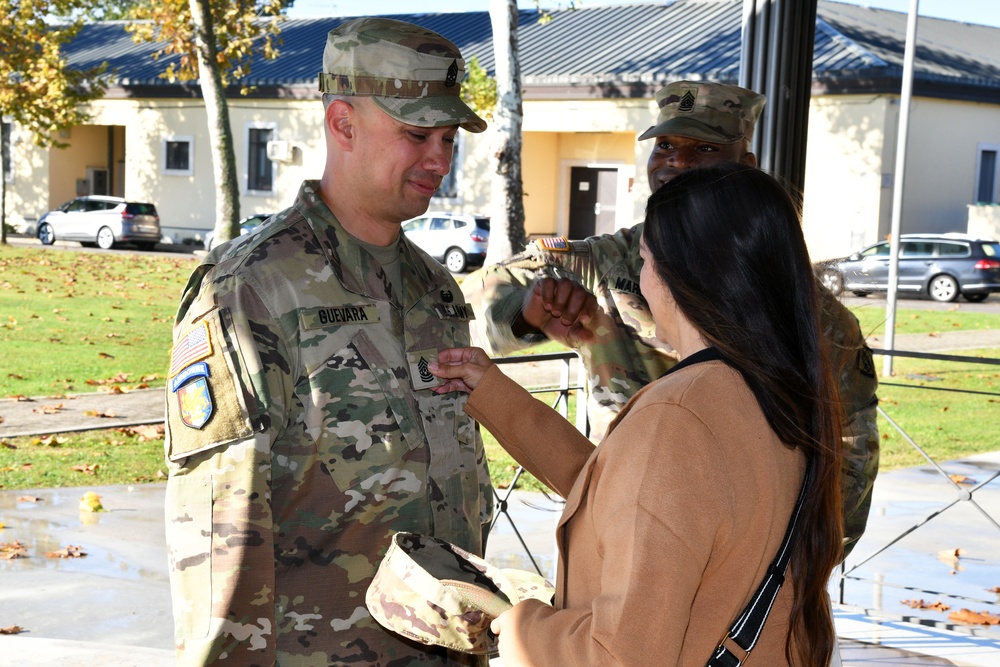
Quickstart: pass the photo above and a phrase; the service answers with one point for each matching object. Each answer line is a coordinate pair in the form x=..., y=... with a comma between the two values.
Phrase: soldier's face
x=673, y=154
x=403, y=164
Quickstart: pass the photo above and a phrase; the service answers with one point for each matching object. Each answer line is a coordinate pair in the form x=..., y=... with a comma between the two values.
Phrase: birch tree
x=40, y=93
x=216, y=40
x=507, y=190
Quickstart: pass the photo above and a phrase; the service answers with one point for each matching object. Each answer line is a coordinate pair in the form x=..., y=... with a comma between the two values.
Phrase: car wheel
x=975, y=298
x=455, y=260
x=862, y=294
x=943, y=288
x=105, y=238
x=833, y=281
x=46, y=234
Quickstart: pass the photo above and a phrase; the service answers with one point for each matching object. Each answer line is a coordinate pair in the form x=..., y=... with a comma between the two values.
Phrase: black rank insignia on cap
x=452, y=74
x=687, y=102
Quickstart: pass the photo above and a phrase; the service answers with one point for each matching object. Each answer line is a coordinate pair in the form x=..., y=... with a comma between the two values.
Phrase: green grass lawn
x=70, y=321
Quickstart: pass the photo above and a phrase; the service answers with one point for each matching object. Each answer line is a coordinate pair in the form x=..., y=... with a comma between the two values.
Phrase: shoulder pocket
x=205, y=403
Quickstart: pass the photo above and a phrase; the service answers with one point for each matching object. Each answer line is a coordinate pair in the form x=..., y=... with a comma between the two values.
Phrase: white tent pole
x=899, y=180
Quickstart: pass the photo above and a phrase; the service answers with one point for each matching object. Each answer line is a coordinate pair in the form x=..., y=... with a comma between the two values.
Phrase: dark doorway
x=592, y=201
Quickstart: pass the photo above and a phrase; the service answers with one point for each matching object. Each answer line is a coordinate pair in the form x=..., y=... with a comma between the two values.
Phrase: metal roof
x=598, y=51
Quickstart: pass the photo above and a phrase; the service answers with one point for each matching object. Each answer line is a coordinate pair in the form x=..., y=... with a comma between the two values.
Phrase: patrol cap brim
x=439, y=111
x=691, y=128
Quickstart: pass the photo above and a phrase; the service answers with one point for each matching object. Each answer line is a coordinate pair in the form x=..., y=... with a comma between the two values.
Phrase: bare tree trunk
x=5, y=136
x=506, y=191
x=220, y=133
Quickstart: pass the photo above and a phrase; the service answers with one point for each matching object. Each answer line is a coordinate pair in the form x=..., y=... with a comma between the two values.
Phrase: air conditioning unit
x=280, y=151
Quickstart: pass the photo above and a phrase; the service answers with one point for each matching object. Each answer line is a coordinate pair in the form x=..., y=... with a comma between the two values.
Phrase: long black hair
x=727, y=241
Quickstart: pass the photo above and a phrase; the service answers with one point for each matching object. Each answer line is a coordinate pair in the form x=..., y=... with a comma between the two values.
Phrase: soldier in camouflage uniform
x=302, y=429
x=554, y=288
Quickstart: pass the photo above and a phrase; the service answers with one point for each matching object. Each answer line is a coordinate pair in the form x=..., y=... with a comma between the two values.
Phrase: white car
x=247, y=225
x=457, y=240
x=101, y=221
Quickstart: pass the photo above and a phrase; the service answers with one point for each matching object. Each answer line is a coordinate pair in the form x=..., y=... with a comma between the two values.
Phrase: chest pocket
x=363, y=420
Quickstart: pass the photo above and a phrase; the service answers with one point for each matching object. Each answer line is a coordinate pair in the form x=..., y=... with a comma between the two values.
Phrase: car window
x=991, y=249
x=460, y=223
x=880, y=250
x=953, y=250
x=417, y=225
x=917, y=249
x=139, y=209
x=75, y=206
x=483, y=222
x=441, y=223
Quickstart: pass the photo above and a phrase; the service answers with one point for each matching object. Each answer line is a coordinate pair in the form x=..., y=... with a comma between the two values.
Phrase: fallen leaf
x=91, y=502
x=12, y=550
x=934, y=334
x=51, y=440
x=87, y=468
x=67, y=552
x=48, y=409
x=105, y=355
x=11, y=630
x=94, y=413
x=951, y=555
x=937, y=605
x=7, y=445
x=1, y=419
x=995, y=589
x=974, y=617
x=28, y=499
x=961, y=479
x=21, y=398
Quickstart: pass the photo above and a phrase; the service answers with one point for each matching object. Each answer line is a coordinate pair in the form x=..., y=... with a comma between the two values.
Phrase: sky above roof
x=984, y=12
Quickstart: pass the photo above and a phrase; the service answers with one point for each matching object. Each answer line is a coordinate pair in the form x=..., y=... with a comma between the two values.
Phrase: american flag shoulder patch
x=554, y=243
x=194, y=346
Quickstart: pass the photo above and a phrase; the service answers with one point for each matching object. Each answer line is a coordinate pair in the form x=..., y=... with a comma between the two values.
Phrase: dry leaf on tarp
x=11, y=630
x=951, y=555
x=48, y=409
x=96, y=413
x=974, y=617
x=937, y=605
x=29, y=499
x=91, y=502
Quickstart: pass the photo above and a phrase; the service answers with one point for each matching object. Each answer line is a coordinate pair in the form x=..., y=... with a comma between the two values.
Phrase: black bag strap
x=746, y=629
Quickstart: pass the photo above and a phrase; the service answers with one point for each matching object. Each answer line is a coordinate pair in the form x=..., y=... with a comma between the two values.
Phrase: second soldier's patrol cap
x=412, y=73
x=439, y=594
x=715, y=112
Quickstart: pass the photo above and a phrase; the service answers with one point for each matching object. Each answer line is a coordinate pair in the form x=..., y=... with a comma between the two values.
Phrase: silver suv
x=942, y=266
x=102, y=221
x=457, y=240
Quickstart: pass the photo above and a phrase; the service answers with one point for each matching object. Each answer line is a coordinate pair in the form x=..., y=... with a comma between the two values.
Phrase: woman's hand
x=461, y=367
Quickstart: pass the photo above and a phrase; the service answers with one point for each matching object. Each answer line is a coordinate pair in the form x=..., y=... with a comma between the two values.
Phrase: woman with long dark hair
x=672, y=521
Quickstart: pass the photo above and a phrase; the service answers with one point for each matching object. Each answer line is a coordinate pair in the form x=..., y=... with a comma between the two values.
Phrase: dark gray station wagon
x=942, y=266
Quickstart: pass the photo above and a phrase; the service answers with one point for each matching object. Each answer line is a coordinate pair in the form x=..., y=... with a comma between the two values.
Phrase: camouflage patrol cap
x=715, y=112
x=412, y=73
x=438, y=594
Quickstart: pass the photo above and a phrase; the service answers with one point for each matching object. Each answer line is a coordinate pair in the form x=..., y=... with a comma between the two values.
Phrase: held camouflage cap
x=715, y=112
x=438, y=594
x=412, y=73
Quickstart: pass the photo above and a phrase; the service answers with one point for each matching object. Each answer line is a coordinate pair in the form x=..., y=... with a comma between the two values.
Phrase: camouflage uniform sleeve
x=229, y=383
x=852, y=365
x=497, y=292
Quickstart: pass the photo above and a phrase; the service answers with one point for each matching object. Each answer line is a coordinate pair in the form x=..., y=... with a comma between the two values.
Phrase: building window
x=449, y=188
x=8, y=166
x=988, y=174
x=260, y=170
x=178, y=156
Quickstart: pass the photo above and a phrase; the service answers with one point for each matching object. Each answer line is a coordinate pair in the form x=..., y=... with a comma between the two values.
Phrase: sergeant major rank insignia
x=420, y=374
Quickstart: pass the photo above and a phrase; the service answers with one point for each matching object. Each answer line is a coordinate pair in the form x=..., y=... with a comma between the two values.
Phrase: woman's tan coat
x=669, y=525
